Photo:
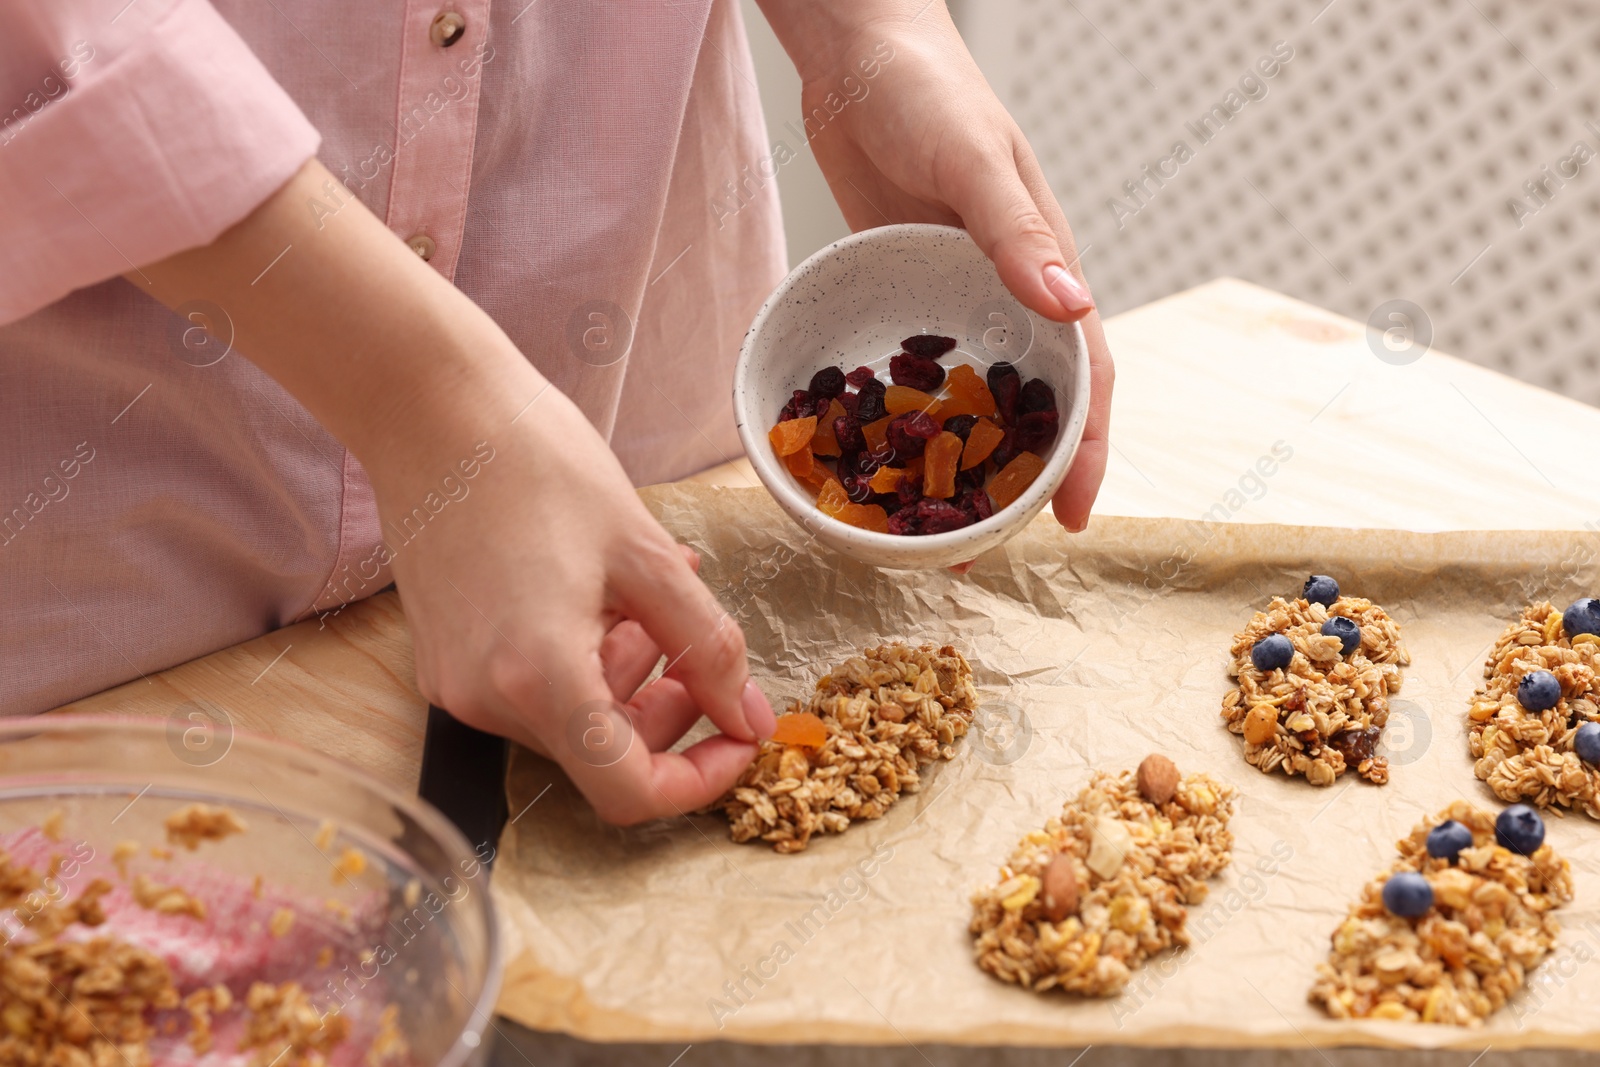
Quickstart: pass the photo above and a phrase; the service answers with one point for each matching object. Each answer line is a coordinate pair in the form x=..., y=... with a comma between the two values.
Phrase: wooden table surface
x=1210, y=383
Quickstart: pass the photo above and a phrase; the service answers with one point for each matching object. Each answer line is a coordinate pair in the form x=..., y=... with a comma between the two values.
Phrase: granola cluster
x=1527, y=755
x=1104, y=886
x=194, y=823
x=887, y=713
x=1322, y=714
x=1489, y=925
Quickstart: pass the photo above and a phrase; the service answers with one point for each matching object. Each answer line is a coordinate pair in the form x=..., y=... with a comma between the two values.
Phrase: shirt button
x=422, y=245
x=447, y=28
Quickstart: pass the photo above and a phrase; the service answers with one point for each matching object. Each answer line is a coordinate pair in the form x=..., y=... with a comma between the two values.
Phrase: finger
x=692, y=557
x=663, y=712
x=1074, y=500
x=627, y=656
x=962, y=568
x=704, y=646
x=1008, y=225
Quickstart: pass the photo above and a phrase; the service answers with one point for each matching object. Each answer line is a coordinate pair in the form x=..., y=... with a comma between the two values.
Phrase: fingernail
x=1079, y=526
x=757, y=712
x=1072, y=293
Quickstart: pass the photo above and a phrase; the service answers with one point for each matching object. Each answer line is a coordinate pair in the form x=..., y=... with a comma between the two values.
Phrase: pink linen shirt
x=582, y=169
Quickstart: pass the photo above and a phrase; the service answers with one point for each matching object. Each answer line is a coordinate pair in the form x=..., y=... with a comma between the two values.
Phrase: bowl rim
x=464, y=1048
x=781, y=485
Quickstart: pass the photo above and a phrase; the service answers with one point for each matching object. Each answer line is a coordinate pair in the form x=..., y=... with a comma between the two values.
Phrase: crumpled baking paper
x=1090, y=651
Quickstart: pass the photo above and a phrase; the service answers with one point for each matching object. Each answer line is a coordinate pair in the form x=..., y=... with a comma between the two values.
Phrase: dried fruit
x=1356, y=744
x=828, y=382
x=1036, y=396
x=915, y=372
x=865, y=516
x=801, y=464
x=860, y=376
x=937, y=516
x=969, y=395
x=939, y=465
x=1261, y=724
x=887, y=479
x=981, y=443
x=1014, y=479
x=1157, y=778
x=898, y=400
x=832, y=498
x=960, y=425
x=826, y=440
x=1006, y=386
x=800, y=728
x=793, y=435
x=928, y=345
x=1059, y=893
x=876, y=433
x=1035, y=431
x=870, y=401
x=976, y=504
x=908, y=434
x=848, y=436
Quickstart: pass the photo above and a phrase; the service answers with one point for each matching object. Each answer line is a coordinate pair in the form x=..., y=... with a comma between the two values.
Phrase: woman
x=445, y=280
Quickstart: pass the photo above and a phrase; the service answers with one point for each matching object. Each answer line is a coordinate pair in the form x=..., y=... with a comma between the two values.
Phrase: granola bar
x=1323, y=713
x=887, y=713
x=1488, y=925
x=1529, y=755
x=1104, y=886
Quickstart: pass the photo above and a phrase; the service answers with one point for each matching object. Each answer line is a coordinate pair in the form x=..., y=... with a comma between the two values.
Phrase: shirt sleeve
x=125, y=141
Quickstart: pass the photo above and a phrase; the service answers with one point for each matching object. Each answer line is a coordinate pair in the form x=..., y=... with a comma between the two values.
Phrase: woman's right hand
x=543, y=598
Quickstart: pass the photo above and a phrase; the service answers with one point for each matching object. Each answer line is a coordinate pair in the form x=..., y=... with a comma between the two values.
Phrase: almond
x=1060, y=893
x=1158, y=778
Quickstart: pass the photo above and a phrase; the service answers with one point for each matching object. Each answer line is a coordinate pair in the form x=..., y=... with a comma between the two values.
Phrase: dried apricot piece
x=865, y=516
x=969, y=394
x=981, y=441
x=832, y=498
x=800, y=728
x=898, y=399
x=801, y=463
x=939, y=465
x=1005, y=487
x=877, y=432
x=793, y=435
x=887, y=479
x=826, y=440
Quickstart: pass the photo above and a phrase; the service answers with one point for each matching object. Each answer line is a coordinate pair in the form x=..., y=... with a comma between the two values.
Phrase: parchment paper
x=1112, y=644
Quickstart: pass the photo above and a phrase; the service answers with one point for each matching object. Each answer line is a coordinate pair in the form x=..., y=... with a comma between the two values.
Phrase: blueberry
x=1586, y=743
x=1272, y=653
x=1407, y=895
x=1582, y=618
x=1520, y=829
x=1348, y=633
x=1538, y=691
x=1447, y=839
x=1320, y=589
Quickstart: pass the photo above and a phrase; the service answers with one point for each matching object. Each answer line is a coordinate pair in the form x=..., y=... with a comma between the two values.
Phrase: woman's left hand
x=922, y=138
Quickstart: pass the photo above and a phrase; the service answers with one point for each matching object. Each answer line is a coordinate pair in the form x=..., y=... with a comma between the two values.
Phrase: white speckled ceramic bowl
x=849, y=306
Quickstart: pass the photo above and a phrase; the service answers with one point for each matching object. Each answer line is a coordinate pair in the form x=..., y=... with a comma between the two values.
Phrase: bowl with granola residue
x=214, y=897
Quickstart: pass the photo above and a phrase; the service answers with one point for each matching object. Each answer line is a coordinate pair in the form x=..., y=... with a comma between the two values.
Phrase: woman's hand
x=926, y=140
x=541, y=597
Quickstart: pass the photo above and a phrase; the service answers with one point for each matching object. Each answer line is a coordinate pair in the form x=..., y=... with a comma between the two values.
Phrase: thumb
x=1008, y=226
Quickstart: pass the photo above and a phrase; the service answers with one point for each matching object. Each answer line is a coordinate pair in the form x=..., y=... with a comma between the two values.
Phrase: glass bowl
x=369, y=899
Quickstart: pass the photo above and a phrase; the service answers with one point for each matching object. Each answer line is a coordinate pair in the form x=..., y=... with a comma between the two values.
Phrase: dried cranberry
x=909, y=491
x=1035, y=430
x=961, y=425
x=915, y=372
x=1006, y=450
x=857, y=489
x=869, y=402
x=864, y=463
x=927, y=345
x=976, y=502
x=848, y=401
x=1006, y=384
x=1036, y=396
x=941, y=516
x=798, y=407
x=904, y=522
x=921, y=424
x=847, y=429
x=860, y=376
x=906, y=444
x=828, y=382
x=969, y=479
